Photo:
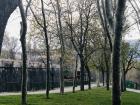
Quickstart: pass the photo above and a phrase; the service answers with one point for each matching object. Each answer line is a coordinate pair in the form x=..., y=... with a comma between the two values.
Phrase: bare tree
x=60, y=33
x=23, y=33
x=75, y=74
x=47, y=50
x=107, y=35
x=115, y=27
x=24, y=56
x=10, y=45
x=43, y=26
x=128, y=61
x=116, y=51
x=78, y=32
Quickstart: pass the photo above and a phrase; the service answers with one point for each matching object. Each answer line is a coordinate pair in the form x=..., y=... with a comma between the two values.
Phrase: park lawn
x=98, y=96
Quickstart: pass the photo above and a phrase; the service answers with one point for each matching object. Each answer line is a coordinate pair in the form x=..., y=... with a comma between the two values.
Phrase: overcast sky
x=13, y=27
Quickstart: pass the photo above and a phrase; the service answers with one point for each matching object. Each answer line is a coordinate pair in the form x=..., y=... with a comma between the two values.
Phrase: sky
x=13, y=27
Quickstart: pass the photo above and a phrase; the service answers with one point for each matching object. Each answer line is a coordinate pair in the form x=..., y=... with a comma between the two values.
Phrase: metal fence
x=10, y=78
x=132, y=85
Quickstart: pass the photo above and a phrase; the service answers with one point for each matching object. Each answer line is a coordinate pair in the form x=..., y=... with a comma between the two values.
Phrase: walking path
x=133, y=90
x=57, y=90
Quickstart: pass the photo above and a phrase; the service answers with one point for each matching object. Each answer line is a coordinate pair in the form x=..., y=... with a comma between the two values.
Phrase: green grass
x=97, y=96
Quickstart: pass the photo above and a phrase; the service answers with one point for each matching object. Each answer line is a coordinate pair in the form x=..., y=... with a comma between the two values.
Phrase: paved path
x=130, y=90
x=133, y=90
x=57, y=90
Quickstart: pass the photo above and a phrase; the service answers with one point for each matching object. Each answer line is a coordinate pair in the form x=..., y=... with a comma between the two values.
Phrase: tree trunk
x=98, y=78
x=47, y=51
x=62, y=48
x=123, y=81
x=89, y=76
x=116, y=52
x=24, y=73
x=103, y=77
x=6, y=9
x=48, y=69
x=107, y=71
x=24, y=55
x=52, y=77
x=75, y=75
x=82, y=72
x=107, y=61
x=107, y=78
x=122, y=84
x=61, y=76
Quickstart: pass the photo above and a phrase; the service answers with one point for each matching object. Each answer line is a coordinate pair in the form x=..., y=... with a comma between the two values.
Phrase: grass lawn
x=97, y=96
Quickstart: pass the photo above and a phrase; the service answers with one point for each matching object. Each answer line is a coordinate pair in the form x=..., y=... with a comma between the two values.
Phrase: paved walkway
x=57, y=90
x=133, y=90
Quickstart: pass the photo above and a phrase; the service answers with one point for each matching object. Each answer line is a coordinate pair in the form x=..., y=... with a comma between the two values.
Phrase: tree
x=7, y=7
x=79, y=32
x=115, y=28
x=47, y=49
x=75, y=74
x=23, y=32
x=43, y=26
x=105, y=15
x=136, y=8
x=129, y=54
x=10, y=47
x=116, y=51
x=61, y=38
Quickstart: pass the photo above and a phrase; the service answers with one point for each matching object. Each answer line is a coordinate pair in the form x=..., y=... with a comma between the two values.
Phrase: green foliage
x=125, y=50
x=129, y=55
x=97, y=96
